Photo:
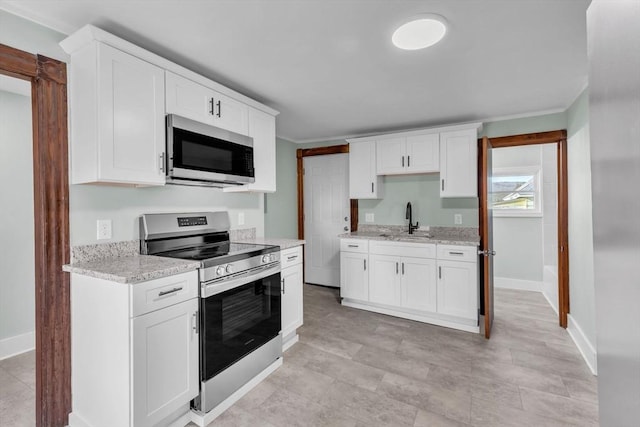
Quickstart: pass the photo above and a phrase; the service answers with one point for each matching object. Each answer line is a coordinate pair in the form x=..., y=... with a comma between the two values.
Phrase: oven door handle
x=217, y=286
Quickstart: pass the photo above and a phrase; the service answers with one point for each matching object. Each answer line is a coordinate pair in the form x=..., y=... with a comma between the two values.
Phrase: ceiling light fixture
x=422, y=31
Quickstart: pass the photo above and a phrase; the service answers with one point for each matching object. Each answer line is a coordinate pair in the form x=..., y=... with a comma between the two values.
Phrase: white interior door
x=326, y=215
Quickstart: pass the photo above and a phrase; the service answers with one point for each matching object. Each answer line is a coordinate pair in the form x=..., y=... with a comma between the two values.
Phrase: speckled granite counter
x=121, y=262
x=283, y=243
x=463, y=236
x=132, y=268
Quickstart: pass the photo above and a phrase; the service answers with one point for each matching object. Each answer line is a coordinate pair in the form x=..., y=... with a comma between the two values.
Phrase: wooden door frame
x=301, y=153
x=48, y=79
x=558, y=137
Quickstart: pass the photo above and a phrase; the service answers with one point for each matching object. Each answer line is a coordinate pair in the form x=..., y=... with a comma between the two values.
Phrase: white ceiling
x=329, y=66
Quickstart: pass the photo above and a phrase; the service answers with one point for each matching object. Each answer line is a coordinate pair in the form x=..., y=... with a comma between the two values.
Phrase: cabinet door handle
x=283, y=286
x=372, y=187
x=455, y=253
x=402, y=161
x=408, y=161
x=396, y=268
x=440, y=272
x=219, y=104
x=365, y=264
x=211, y=104
x=442, y=185
x=403, y=268
x=196, y=323
x=171, y=291
x=162, y=163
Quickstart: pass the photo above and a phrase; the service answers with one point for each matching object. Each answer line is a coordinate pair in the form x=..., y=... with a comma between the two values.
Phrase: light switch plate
x=457, y=219
x=104, y=229
x=368, y=217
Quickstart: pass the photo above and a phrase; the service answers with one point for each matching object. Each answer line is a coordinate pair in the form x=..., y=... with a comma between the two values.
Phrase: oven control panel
x=189, y=221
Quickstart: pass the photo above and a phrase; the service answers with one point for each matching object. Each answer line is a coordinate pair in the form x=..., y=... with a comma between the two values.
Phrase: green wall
x=424, y=194
x=543, y=123
x=281, y=211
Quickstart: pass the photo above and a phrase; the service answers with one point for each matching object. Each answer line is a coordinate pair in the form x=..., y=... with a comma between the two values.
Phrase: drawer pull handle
x=171, y=291
x=283, y=288
x=292, y=257
x=456, y=253
x=354, y=246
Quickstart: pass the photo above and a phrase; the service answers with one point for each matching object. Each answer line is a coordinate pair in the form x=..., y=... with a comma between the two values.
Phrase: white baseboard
x=519, y=284
x=19, y=344
x=585, y=347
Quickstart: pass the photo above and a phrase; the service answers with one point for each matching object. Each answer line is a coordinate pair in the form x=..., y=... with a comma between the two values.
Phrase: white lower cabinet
x=418, y=281
x=418, y=285
x=165, y=361
x=134, y=350
x=292, y=294
x=458, y=289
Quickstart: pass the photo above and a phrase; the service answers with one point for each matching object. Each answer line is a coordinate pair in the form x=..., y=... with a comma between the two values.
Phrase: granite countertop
x=463, y=236
x=131, y=268
x=283, y=243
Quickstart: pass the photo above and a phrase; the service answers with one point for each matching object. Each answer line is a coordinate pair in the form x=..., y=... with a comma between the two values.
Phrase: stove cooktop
x=221, y=253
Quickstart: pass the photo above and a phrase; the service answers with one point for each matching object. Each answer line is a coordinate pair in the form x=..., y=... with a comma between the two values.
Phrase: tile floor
x=355, y=368
x=17, y=391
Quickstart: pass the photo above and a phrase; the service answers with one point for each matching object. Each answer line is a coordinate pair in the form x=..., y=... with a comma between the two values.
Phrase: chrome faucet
x=408, y=216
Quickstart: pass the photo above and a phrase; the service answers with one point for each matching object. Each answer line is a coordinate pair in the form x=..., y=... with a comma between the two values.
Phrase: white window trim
x=521, y=170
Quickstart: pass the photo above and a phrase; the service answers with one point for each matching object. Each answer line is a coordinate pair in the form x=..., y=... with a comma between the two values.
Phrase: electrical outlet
x=104, y=229
x=241, y=218
x=457, y=219
x=368, y=217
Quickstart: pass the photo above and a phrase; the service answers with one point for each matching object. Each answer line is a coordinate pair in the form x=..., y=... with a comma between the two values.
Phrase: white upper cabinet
x=117, y=118
x=423, y=153
x=405, y=155
x=390, y=156
x=197, y=102
x=262, y=128
x=363, y=181
x=459, y=163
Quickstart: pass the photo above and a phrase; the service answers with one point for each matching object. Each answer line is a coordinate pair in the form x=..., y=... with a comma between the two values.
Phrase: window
x=516, y=191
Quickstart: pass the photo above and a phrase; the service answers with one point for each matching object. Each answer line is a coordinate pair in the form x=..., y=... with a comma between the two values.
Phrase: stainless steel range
x=239, y=297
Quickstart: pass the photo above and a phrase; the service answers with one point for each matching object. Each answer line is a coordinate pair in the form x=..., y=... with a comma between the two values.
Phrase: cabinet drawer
x=458, y=253
x=160, y=293
x=354, y=245
x=291, y=256
x=417, y=250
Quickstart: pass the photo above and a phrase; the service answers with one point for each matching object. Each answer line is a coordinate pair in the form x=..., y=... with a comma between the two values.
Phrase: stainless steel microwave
x=201, y=154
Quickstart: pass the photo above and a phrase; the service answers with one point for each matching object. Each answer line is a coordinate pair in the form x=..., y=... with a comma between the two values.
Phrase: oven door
x=202, y=152
x=236, y=321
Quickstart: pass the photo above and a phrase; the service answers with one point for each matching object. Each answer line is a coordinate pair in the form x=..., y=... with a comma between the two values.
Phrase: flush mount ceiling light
x=422, y=31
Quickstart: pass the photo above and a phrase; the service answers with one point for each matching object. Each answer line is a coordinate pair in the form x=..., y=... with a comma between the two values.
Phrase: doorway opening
x=48, y=79
x=324, y=210
x=511, y=188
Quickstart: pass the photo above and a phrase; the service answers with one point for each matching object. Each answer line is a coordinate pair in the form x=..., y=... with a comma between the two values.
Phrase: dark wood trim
x=558, y=137
x=486, y=233
x=319, y=151
x=563, y=233
x=300, y=164
x=354, y=215
x=529, y=139
x=51, y=219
